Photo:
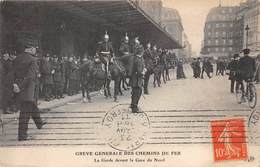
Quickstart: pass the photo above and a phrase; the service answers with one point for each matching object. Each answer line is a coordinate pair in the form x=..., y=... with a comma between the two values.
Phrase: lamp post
x=247, y=32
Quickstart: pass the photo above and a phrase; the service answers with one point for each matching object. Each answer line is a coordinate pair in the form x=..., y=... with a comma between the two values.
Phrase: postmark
x=254, y=127
x=229, y=139
x=124, y=130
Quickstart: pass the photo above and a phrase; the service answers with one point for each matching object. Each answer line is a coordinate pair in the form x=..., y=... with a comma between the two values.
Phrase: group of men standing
x=199, y=67
x=242, y=68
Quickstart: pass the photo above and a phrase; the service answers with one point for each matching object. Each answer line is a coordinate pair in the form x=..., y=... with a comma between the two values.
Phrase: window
x=209, y=34
x=224, y=41
x=216, y=41
x=209, y=26
x=224, y=34
x=217, y=25
x=217, y=34
x=231, y=24
x=216, y=49
x=231, y=42
x=223, y=49
x=209, y=50
x=209, y=42
x=230, y=49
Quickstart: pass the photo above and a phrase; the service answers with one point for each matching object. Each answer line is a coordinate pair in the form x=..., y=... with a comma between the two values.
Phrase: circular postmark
x=124, y=130
x=254, y=127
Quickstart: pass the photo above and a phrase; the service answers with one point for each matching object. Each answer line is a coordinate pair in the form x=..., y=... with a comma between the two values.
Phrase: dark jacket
x=233, y=67
x=45, y=70
x=25, y=73
x=246, y=67
x=124, y=49
x=59, y=72
x=138, y=67
x=105, y=47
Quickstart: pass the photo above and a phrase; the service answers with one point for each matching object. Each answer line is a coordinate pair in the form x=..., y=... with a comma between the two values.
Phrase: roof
x=222, y=13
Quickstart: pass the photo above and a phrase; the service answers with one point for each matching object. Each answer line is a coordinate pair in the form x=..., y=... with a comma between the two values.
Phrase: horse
x=93, y=74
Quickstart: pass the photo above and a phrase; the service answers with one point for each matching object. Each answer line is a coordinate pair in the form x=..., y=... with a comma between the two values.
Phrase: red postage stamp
x=229, y=139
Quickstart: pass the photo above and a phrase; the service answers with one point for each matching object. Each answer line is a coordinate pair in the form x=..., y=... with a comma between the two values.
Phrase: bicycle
x=249, y=95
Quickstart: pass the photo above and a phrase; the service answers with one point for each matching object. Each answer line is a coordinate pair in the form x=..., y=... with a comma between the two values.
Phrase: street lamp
x=247, y=31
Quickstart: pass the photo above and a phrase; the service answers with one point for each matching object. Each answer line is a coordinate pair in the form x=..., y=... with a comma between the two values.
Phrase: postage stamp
x=229, y=139
x=125, y=131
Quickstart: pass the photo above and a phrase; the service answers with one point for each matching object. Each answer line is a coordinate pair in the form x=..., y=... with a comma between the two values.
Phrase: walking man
x=25, y=72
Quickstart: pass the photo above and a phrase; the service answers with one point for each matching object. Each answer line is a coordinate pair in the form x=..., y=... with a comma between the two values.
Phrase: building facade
x=152, y=8
x=219, y=32
x=171, y=21
x=252, y=20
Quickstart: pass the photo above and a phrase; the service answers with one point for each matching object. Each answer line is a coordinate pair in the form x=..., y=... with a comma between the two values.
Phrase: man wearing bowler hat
x=25, y=75
x=233, y=67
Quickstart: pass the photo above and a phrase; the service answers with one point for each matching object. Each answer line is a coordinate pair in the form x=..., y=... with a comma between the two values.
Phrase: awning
x=123, y=16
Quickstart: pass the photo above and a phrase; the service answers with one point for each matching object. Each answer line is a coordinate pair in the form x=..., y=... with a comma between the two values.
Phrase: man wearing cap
x=25, y=72
x=58, y=75
x=137, y=75
x=246, y=67
x=105, y=52
x=232, y=67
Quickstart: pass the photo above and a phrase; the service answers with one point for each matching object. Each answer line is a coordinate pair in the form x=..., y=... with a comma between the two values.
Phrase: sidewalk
x=47, y=106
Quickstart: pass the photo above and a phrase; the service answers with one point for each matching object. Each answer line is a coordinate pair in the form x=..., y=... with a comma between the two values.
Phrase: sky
x=193, y=14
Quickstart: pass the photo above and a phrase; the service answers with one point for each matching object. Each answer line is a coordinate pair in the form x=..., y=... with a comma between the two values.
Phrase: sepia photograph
x=134, y=83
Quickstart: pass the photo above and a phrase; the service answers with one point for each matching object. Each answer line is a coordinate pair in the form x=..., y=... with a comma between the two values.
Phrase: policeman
x=105, y=52
x=138, y=71
x=25, y=72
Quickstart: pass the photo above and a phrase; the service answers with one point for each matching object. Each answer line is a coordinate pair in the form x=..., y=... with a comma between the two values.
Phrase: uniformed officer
x=105, y=52
x=124, y=49
x=137, y=75
x=25, y=72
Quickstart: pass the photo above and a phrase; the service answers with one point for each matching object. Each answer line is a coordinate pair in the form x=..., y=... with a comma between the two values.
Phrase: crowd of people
x=56, y=76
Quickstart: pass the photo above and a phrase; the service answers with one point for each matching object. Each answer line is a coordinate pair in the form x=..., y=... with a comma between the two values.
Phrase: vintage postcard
x=134, y=83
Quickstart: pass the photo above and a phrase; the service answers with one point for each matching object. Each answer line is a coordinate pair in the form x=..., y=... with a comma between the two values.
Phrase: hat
x=246, y=51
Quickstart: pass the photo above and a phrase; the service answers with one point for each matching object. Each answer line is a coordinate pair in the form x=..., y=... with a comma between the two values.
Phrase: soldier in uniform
x=25, y=74
x=124, y=49
x=105, y=52
x=137, y=75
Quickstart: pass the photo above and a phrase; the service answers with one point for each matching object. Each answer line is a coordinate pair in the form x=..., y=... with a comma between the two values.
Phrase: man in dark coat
x=148, y=60
x=58, y=77
x=25, y=72
x=137, y=75
x=232, y=67
x=46, y=77
x=246, y=68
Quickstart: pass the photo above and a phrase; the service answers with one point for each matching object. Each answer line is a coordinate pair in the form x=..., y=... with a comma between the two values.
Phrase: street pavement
x=179, y=113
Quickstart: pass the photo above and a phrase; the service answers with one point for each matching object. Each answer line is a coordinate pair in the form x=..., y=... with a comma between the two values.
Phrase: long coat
x=138, y=67
x=25, y=72
x=247, y=67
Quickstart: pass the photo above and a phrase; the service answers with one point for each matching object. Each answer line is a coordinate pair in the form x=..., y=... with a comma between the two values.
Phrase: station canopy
x=123, y=16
